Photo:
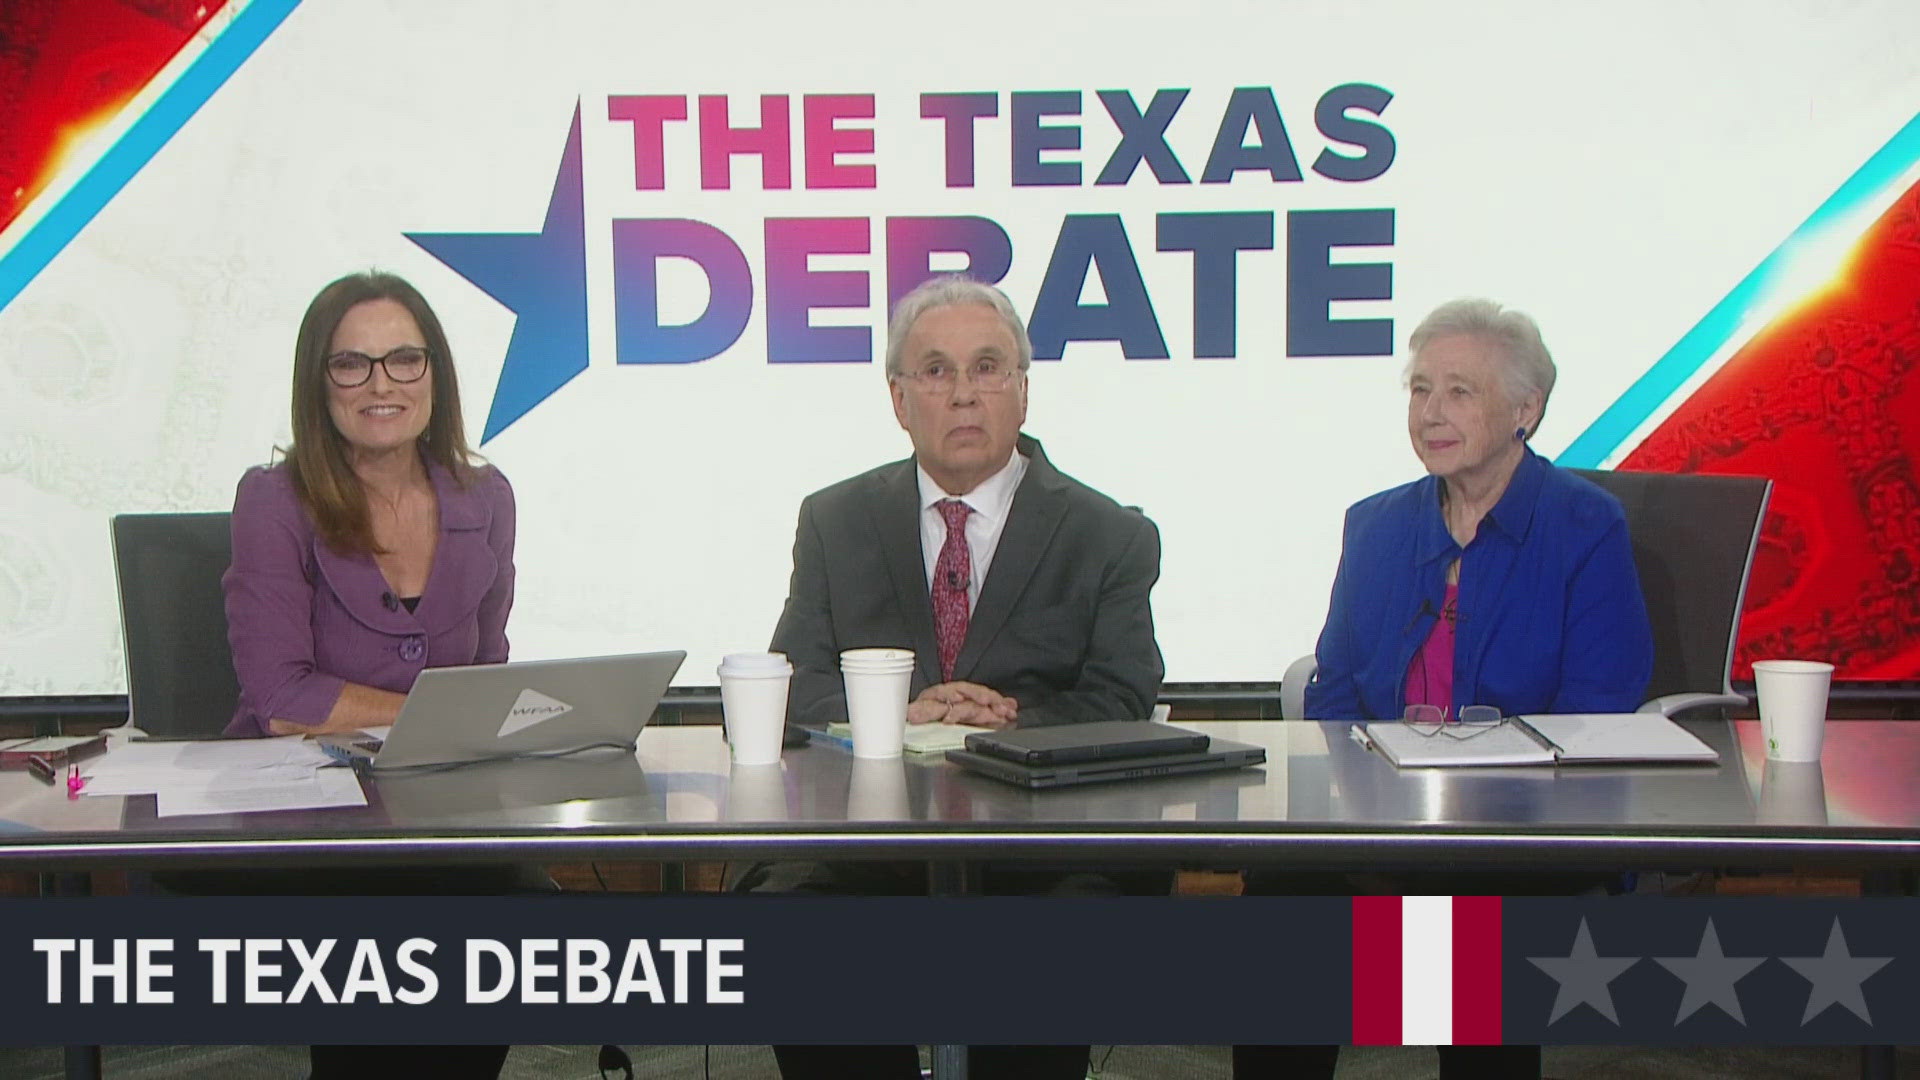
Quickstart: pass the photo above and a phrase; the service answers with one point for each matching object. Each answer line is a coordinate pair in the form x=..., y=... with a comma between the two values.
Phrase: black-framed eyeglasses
x=1431, y=720
x=990, y=375
x=406, y=364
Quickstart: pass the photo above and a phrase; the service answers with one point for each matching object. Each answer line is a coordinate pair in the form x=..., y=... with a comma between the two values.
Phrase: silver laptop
x=486, y=712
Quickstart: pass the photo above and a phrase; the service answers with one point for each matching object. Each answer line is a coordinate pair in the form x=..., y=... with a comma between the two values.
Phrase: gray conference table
x=1320, y=801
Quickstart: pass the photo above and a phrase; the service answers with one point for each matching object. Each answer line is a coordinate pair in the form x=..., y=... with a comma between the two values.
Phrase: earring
x=1520, y=434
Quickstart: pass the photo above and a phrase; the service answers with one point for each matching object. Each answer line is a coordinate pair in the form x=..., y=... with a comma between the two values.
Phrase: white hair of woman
x=1527, y=368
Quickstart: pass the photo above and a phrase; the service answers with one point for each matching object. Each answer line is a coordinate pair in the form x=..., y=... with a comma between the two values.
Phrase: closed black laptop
x=1061, y=744
x=1219, y=754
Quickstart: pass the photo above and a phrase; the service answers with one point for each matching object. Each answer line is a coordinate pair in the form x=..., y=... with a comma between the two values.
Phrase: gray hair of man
x=940, y=292
x=1527, y=368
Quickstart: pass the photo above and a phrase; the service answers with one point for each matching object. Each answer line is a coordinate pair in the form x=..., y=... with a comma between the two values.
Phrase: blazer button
x=413, y=649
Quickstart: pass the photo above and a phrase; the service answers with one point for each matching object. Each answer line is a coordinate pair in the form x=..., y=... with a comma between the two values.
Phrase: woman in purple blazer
x=376, y=547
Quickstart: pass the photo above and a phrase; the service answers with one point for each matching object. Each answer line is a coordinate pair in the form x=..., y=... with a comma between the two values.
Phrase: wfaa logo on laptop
x=530, y=708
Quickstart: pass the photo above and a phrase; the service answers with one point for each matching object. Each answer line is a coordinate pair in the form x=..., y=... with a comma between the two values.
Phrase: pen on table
x=827, y=738
x=42, y=768
x=1358, y=733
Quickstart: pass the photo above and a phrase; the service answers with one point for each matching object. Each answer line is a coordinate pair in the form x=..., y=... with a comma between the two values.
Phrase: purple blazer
x=304, y=619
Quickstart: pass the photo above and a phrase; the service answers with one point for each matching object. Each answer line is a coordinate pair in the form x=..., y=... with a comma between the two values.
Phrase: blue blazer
x=1550, y=613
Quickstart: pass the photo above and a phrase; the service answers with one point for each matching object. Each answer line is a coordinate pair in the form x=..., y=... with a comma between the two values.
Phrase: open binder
x=1558, y=739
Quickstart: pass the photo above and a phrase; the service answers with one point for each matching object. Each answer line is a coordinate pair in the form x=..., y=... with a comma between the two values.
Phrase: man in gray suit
x=1022, y=592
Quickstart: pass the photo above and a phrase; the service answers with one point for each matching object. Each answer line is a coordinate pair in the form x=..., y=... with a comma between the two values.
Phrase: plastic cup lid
x=1795, y=667
x=726, y=672
x=754, y=659
x=865, y=655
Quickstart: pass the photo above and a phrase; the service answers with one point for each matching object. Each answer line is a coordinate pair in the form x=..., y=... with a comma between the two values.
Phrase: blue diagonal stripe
x=1717, y=327
x=137, y=145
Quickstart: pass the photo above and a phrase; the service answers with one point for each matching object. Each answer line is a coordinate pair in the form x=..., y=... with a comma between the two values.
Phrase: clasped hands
x=963, y=703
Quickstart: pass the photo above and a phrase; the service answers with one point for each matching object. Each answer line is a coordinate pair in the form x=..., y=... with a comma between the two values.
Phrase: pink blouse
x=1430, y=674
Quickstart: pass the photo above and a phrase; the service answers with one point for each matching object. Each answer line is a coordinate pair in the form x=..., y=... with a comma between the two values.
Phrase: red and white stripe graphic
x=1426, y=970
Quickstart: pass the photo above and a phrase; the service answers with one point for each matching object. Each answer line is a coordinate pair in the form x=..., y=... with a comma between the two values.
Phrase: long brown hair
x=317, y=461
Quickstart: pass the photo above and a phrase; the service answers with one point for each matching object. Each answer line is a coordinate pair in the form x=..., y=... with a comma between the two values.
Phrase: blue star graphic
x=542, y=278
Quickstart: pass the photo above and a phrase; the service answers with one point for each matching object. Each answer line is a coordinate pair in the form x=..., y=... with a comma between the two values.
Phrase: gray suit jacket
x=1063, y=624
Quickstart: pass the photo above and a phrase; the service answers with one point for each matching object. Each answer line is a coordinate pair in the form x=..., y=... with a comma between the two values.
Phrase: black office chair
x=1694, y=537
x=1693, y=541
x=180, y=679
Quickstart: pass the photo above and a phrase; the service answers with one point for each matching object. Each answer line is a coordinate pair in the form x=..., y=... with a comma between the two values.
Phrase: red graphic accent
x=67, y=67
x=1476, y=970
x=1376, y=971
x=1826, y=402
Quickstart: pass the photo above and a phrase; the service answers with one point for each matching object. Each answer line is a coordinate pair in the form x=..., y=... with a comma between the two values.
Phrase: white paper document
x=1541, y=739
x=919, y=738
x=1596, y=738
x=147, y=768
x=318, y=790
x=224, y=776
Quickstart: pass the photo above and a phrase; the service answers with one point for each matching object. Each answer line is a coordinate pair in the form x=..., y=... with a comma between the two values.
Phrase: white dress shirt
x=990, y=501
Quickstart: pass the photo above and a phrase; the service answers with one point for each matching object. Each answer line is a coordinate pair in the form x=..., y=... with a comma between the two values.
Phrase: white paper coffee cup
x=877, y=681
x=877, y=791
x=753, y=700
x=1793, y=706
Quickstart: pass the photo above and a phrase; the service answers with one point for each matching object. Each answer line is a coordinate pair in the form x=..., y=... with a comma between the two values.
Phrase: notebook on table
x=52, y=749
x=1606, y=738
x=1219, y=754
x=1060, y=744
x=919, y=738
x=1540, y=739
x=486, y=712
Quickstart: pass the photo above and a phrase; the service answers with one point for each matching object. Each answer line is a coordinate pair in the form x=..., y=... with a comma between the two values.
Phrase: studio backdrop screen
x=663, y=239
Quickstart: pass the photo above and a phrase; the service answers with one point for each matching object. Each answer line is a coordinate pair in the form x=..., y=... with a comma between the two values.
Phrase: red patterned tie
x=952, y=572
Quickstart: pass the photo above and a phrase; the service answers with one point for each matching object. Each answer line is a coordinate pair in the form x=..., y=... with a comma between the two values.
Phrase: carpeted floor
x=1110, y=1063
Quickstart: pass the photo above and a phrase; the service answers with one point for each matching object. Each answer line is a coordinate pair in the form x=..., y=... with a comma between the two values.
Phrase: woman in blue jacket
x=1496, y=579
